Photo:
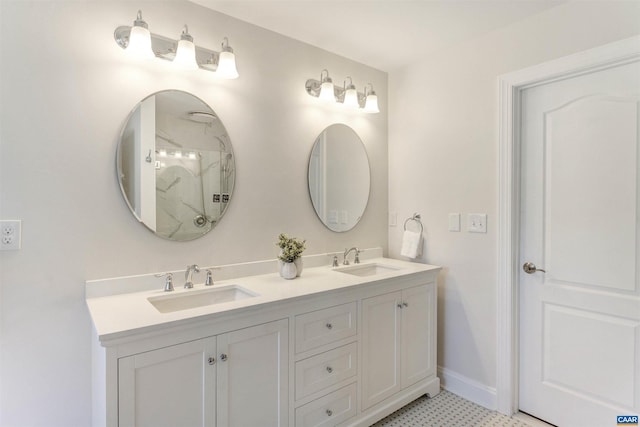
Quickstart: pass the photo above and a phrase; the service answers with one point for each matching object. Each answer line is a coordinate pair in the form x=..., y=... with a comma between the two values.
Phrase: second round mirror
x=339, y=177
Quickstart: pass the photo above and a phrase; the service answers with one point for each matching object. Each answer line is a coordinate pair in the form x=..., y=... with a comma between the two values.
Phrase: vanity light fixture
x=347, y=95
x=327, y=91
x=186, y=52
x=371, y=100
x=138, y=41
x=350, y=95
x=227, y=62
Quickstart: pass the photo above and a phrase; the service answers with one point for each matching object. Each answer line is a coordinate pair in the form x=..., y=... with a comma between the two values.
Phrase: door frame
x=511, y=86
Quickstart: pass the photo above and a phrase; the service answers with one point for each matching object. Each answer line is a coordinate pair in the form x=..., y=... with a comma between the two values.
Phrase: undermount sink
x=362, y=270
x=200, y=298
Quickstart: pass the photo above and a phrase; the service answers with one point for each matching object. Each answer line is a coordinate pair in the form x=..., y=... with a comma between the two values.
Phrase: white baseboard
x=467, y=388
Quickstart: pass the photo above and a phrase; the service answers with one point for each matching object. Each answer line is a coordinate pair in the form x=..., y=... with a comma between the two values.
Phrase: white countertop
x=126, y=313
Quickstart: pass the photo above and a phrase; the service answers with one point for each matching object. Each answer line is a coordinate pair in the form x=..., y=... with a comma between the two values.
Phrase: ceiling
x=385, y=34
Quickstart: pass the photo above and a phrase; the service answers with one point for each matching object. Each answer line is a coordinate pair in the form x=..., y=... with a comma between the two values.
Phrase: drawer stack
x=326, y=365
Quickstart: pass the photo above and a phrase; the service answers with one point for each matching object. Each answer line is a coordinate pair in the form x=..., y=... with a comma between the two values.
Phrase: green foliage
x=291, y=248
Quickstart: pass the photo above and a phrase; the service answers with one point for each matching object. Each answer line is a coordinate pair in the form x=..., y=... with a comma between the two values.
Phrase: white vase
x=299, y=266
x=288, y=270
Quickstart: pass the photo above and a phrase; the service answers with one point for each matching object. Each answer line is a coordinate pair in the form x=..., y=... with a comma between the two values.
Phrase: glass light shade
x=351, y=98
x=227, y=66
x=140, y=43
x=326, y=92
x=186, y=55
x=371, y=105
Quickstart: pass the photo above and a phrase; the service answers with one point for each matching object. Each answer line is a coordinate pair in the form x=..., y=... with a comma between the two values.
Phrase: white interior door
x=579, y=325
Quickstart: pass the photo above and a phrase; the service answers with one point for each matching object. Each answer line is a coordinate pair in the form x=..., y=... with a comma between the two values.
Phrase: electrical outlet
x=10, y=231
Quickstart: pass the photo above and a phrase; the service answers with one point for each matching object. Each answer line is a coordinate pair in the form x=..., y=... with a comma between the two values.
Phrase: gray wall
x=443, y=157
x=66, y=90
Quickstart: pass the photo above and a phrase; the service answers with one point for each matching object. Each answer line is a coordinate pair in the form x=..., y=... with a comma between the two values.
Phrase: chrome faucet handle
x=209, y=280
x=188, y=275
x=357, y=258
x=334, y=259
x=168, y=281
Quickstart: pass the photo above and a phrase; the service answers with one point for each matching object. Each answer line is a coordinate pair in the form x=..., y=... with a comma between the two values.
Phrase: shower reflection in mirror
x=186, y=190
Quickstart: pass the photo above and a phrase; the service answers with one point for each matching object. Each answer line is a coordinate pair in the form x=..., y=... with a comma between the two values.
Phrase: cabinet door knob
x=399, y=305
x=223, y=357
x=329, y=412
x=212, y=360
x=329, y=326
x=404, y=304
x=329, y=369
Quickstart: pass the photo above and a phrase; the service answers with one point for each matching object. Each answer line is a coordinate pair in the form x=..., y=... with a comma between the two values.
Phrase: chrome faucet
x=188, y=275
x=356, y=259
x=168, y=282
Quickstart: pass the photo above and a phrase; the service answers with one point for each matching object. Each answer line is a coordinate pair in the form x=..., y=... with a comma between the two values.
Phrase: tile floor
x=449, y=410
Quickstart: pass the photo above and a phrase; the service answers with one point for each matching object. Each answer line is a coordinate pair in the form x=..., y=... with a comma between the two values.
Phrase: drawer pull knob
x=223, y=357
x=404, y=304
x=329, y=412
x=212, y=360
x=329, y=369
x=329, y=326
x=399, y=305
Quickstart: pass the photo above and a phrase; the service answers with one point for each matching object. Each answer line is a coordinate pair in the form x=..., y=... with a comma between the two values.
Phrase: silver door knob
x=531, y=268
x=212, y=360
x=223, y=357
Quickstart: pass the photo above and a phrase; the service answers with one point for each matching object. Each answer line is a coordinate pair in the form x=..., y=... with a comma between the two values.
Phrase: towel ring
x=416, y=218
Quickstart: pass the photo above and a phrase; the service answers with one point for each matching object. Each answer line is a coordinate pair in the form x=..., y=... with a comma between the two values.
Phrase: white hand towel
x=411, y=244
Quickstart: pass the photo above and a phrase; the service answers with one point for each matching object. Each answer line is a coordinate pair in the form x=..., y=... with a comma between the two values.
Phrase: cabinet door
x=172, y=386
x=418, y=334
x=380, y=349
x=253, y=376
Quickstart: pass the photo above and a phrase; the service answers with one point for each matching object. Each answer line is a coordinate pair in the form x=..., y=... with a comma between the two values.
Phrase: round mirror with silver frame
x=175, y=165
x=339, y=177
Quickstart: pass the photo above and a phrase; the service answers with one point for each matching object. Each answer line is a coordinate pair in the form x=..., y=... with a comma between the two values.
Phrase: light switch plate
x=477, y=223
x=454, y=222
x=393, y=219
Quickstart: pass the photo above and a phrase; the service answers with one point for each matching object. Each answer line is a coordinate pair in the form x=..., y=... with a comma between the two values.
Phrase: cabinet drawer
x=325, y=369
x=325, y=326
x=329, y=410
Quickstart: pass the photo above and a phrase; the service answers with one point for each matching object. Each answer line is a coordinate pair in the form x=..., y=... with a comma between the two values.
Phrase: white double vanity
x=337, y=346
